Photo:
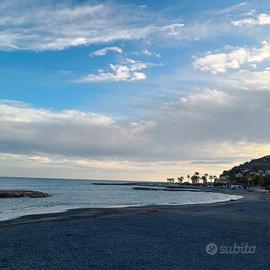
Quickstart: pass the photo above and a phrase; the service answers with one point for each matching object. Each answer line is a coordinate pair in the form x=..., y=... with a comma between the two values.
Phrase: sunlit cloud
x=233, y=59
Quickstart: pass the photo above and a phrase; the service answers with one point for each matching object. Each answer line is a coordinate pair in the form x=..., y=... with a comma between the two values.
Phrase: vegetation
x=255, y=165
x=253, y=180
x=255, y=173
x=195, y=179
x=250, y=174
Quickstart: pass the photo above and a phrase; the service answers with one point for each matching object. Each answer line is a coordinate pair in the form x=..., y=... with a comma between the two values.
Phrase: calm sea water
x=69, y=194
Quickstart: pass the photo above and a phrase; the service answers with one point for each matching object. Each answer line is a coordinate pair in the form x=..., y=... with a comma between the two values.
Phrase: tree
x=188, y=177
x=195, y=178
x=204, y=178
x=170, y=180
x=259, y=180
x=180, y=179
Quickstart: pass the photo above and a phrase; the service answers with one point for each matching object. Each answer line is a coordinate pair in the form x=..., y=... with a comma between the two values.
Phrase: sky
x=132, y=90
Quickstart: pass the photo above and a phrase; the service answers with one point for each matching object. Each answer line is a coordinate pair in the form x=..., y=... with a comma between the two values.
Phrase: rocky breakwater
x=22, y=193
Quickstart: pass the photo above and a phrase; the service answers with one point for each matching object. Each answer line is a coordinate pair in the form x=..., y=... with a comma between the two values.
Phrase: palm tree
x=204, y=178
x=180, y=179
x=197, y=174
x=170, y=180
x=188, y=177
x=195, y=178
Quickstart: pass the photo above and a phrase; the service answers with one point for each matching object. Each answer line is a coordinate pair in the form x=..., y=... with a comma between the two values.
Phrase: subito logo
x=211, y=249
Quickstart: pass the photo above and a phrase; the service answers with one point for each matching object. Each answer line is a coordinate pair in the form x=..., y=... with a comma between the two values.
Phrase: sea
x=70, y=194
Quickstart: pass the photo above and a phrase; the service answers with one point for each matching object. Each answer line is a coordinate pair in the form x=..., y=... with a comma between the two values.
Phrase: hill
x=260, y=166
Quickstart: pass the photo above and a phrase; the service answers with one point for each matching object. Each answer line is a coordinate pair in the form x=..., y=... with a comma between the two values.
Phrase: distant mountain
x=260, y=166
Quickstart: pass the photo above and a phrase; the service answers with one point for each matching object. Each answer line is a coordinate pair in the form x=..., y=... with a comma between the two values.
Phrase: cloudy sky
x=132, y=89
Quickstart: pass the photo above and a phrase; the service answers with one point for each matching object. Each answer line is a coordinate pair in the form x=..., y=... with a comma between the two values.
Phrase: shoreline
x=89, y=212
x=150, y=237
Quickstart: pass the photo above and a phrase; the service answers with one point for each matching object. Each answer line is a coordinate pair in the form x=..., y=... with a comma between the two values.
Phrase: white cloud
x=150, y=53
x=249, y=80
x=234, y=59
x=208, y=96
x=56, y=25
x=231, y=9
x=16, y=112
x=260, y=19
x=128, y=70
x=237, y=68
x=104, y=51
x=173, y=29
x=147, y=53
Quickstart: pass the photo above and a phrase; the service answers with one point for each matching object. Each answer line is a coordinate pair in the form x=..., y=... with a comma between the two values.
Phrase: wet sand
x=156, y=237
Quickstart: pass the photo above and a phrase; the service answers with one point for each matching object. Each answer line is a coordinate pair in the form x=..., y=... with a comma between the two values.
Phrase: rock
x=22, y=193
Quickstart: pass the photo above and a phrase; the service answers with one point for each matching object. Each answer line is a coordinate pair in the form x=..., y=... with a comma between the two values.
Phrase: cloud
x=205, y=124
x=209, y=96
x=212, y=123
x=63, y=167
x=249, y=79
x=128, y=70
x=56, y=25
x=173, y=29
x=235, y=58
x=260, y=19
x=150, y=53
x=231, y=9
x=69, y=132
x=104, y=51
x=17, y=112
x=239, y=68
x=210, y=162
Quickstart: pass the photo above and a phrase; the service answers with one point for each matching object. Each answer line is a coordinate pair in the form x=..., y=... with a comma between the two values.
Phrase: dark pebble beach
x=151, y=238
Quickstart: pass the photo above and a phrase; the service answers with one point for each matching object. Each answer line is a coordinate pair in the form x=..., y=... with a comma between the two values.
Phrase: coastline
x=151, y=237
x=32, y=213
x=88, y=212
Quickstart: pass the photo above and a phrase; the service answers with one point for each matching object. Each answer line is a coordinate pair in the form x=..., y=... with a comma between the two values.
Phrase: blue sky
x=132, y=89
x=37, y=77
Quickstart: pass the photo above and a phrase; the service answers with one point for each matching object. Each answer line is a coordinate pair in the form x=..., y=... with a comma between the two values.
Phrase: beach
x=156, y=237
x=134, y=135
